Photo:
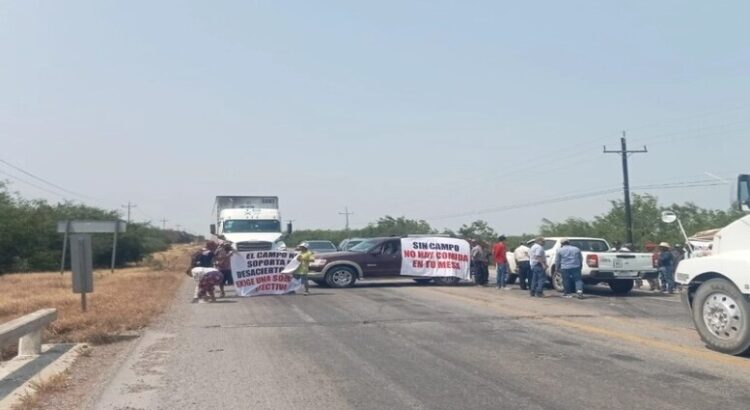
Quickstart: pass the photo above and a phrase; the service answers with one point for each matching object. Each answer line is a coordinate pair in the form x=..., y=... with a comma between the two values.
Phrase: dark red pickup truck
x=371, y=258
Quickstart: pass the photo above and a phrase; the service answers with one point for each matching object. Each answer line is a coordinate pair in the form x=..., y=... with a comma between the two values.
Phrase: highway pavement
x=399, y=345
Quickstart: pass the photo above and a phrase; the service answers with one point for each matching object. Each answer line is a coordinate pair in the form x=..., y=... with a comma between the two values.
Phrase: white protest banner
x=261, y=273
x=435, y=257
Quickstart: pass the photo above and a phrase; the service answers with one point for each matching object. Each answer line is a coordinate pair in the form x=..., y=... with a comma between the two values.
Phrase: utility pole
x=623, y=151
x=129, y=206
x=346, y=213
x=163, y=224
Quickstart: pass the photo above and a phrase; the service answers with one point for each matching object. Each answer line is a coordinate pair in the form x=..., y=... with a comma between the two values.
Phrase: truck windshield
x=251, y=225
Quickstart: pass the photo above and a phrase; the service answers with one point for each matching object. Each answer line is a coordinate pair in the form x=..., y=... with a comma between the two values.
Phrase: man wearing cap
x=538, y=262
x=570, y=262
x=305, y=257
x=666, y=265
x=499, y=254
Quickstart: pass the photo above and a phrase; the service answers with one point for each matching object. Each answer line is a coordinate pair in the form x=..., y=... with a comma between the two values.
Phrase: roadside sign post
x=81, y=263
x=81, y=258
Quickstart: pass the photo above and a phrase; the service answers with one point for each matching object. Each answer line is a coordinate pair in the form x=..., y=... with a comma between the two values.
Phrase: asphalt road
x=398, y=345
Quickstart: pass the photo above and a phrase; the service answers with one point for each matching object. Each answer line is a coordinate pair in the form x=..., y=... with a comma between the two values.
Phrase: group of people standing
x=531, y=263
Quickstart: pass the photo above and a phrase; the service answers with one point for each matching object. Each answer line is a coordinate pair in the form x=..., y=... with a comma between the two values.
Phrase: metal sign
x=81, y=263
x=91, y=226
x=84, y=226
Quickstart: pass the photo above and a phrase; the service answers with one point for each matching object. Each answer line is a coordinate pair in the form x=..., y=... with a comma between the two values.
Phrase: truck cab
x=717, y=287
x=251, y=223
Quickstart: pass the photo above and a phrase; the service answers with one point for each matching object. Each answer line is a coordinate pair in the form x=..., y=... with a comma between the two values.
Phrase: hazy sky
x=445, y=110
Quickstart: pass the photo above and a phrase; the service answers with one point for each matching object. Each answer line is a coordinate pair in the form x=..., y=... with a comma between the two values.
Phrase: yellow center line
x=601, y=331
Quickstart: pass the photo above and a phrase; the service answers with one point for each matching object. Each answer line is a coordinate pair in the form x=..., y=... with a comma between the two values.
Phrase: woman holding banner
x=305, y=257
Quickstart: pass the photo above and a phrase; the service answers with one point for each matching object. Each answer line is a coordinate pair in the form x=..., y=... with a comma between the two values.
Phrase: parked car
x=371, y=258
x=617, y=269
x=348, y=243
x=321, y=246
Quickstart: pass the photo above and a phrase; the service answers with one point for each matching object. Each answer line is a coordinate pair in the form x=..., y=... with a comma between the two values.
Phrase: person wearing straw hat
x=305, y=257
x=666, y=265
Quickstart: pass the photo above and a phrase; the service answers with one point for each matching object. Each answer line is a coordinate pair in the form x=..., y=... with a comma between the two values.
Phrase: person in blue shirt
x=569, y=260
x=666, y=268
x=538, y=262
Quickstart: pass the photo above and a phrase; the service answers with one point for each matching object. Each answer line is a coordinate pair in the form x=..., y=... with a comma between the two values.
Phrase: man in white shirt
x=521, y=255
x=538, y=262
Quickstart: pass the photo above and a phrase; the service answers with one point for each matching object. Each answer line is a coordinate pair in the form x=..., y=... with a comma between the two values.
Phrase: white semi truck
x=717, y=286
x=251, y=223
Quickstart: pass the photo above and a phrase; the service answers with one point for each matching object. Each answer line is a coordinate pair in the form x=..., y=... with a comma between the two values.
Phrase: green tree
x=478, y=230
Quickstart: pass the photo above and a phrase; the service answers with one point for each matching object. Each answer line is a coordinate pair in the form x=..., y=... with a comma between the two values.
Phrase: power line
x=43, y=180
x=34, y=185
x=346, y=213
x=623, y=152
x=129, y=206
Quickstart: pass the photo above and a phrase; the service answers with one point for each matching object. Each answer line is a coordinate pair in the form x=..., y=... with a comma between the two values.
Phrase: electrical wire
x=43, y=180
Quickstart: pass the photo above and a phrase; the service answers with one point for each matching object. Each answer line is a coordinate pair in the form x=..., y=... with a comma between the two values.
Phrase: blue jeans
x=667, y=279
x=502, y=275
x=538, y=278
x=572, y=280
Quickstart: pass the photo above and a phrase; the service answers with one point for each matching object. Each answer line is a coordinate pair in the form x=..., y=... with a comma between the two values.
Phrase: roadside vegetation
x=29, y=240
x=646, y=217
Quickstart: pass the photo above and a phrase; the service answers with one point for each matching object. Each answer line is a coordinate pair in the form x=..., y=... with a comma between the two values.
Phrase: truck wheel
x=621, y=287
x=448, y=280
x=422, y=281
x=557, y=281
x=722, y=316
x=341, y=277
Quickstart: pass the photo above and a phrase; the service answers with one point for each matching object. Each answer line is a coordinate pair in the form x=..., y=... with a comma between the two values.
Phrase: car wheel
x=621, y=287
x=423, y=281
x=722, y=316
x=557, y=281
x=341, y=277
x=448, y=280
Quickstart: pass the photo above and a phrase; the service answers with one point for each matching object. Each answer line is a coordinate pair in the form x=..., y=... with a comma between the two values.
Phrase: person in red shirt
x=499, y=252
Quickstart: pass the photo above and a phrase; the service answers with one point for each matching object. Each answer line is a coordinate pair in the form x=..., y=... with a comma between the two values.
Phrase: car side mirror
x=212, y=228
x=668, y=217
x=743, y=193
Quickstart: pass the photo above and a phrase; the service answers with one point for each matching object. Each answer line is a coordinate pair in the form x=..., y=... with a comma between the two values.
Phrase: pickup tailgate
x=625, y=264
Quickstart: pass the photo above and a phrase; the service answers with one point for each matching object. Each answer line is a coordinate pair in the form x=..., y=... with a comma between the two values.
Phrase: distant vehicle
x=349, y=243
x=321, y=246
x=371, y=258
x=717, y=291
x=616, y=269
x=251, y=223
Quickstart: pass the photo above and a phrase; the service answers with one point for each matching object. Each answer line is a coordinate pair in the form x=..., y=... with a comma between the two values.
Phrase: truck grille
x=254, y=246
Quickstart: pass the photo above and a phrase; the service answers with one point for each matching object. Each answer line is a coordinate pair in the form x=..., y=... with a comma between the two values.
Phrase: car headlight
x=318, y=262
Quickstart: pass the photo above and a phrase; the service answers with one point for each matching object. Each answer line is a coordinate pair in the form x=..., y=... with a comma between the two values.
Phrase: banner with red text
x=261, y=273
x=435, y=257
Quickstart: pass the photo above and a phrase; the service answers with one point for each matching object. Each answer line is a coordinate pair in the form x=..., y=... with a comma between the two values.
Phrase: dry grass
x=54, y=384
x=122, y=301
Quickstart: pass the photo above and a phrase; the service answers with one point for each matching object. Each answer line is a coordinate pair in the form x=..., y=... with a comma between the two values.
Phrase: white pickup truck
x=617, y=269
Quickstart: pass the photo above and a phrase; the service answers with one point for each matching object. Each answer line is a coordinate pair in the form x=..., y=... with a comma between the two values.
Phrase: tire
x=557, y=281
x=621, y=287
x=721, y=314
x=512, y=277
x=341, y=277
x=447, y=281
x=422, y=281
